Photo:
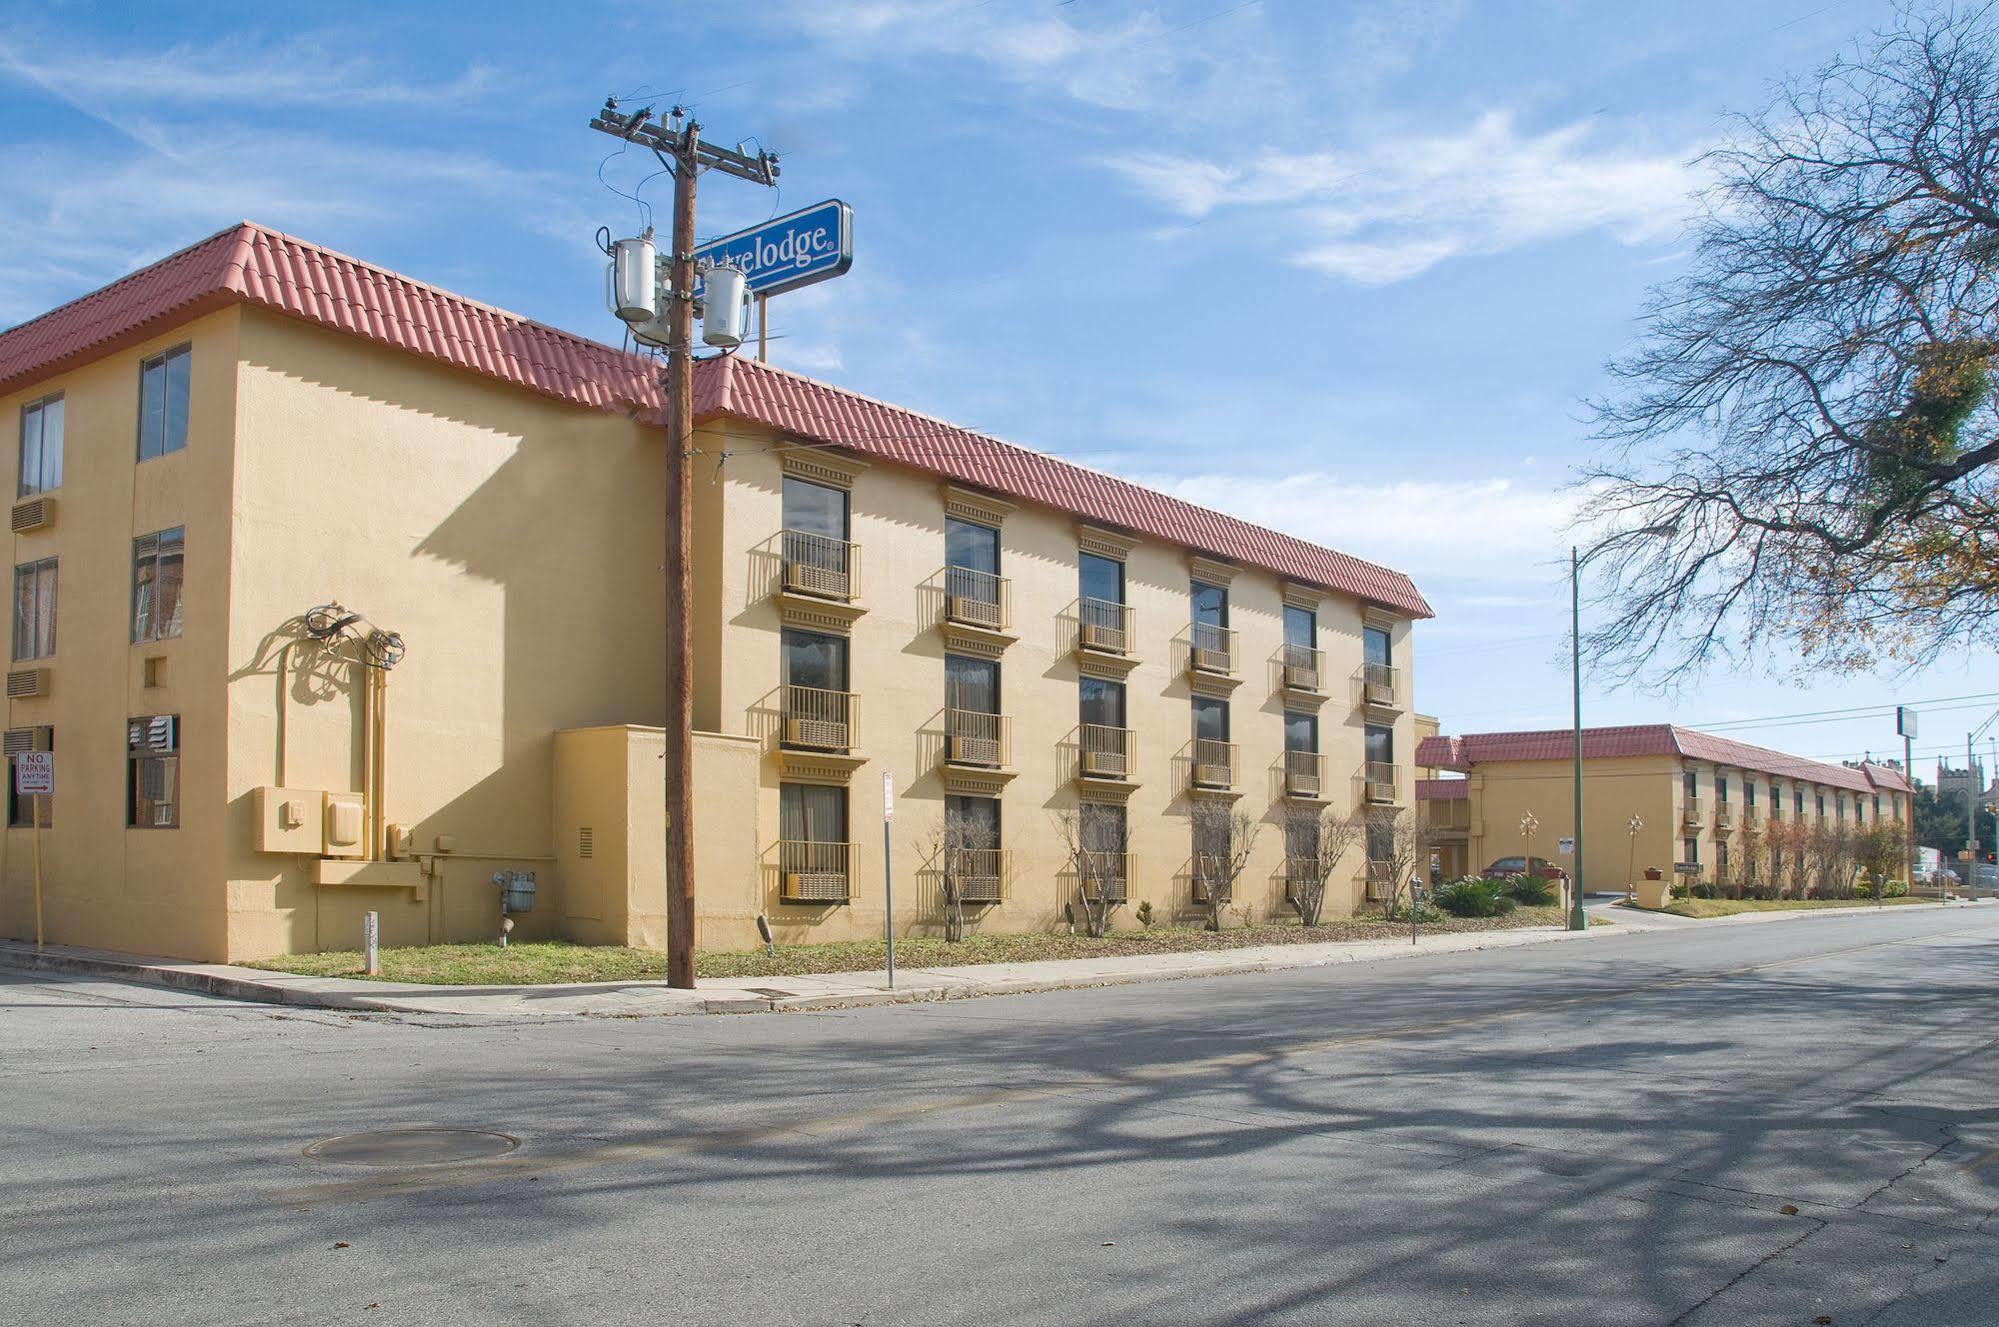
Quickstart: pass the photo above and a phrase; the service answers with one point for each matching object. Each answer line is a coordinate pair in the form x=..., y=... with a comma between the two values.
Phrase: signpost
x=888, y=876
x=1905, y=728
x=812, y=244
x=35, y=776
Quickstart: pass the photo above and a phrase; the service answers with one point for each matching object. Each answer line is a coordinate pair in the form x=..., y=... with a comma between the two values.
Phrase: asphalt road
x=1783, y=1123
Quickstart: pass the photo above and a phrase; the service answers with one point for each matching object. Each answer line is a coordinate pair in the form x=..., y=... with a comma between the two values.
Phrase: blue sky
x=1345, y=268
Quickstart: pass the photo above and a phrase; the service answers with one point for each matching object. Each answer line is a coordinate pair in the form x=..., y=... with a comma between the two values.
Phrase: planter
x=1654, y=873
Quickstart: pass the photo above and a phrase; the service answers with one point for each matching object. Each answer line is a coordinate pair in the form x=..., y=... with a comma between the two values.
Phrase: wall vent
x=18, y=740
x=586, y=842
x=23, y=683
x=33, y=514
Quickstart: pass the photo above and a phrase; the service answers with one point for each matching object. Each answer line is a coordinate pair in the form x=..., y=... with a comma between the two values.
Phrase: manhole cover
x=412, y=1147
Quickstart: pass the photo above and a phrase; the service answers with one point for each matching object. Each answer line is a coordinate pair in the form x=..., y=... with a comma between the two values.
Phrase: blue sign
x=787, y=252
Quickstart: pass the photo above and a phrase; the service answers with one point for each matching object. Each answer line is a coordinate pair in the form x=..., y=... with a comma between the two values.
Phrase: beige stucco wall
x=143, y=890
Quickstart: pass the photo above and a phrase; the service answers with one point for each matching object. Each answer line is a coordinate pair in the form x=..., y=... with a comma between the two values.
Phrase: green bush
x=1677, y=891
x=1532, y=891
x=1477, y=898
x=1897, y=889
x=1426, y=913
x=1704, y=889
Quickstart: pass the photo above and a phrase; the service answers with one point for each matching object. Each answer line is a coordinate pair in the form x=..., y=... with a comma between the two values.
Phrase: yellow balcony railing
x=1379, y=685
x=820, y=720
x=1380, y=881
x=1304, y=668
x=1724, y=815
x=820, y=566
x=1376, y=781
x=1214, y=763
x=1106, y=875
x=1304, y=774
x=979, y=874
x=976, y=599
x=1211, y=879
x=1211, y=649
x=1103, y=626
x=976, y=738
x=814, y=872
x=1300, y=873
x=1693, y=813
x=1105, y=752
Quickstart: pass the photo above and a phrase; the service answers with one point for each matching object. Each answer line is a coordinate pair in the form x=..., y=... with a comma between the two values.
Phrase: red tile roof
x=1443, y=790
x=252, y=264
x=1652, y=739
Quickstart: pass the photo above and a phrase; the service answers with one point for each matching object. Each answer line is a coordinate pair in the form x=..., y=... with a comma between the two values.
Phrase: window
x=163, y=403
x=156, y=584
x=1798, y=802
x=1100, y=579
x=1877, y=806
x=1301, y=628
x=35, y=609
x=811, y=813
x=1380, y=840
x=1721, y=789
x=1102, y=702
x=1839, y=808
x=815, y=660
x=1301, y=731
x=1690, y=851
x=1376, y=646
x=1301, y=839
x=971, y=571
x=1721, y=854
x=971, y=547
x=1820, y=799
x=152, y=747
x=1104, y=831
x=1213, y=841
x=1380, y=744
x=973, y=822
x=1211, y=719
x=1749, y=793
x=1690, y=784
x=815, y=509
x=1210, y=605
x=21, y=810
x=41, y=446
x=971, y=684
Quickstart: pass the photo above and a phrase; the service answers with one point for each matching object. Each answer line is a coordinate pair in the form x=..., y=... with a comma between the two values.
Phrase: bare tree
x=1821, y=861
x=1224, y=837
x=1098, y=856
x=1316, y=841
x=1805, y=440
x=961, y=851
x=1397, y=841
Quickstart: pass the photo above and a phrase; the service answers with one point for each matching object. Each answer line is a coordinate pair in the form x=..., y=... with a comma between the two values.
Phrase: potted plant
x=1654, y=873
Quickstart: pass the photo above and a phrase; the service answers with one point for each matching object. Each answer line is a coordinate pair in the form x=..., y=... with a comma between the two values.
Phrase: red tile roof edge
x=1655, y=739
x=254, y=264
x=1442, y=790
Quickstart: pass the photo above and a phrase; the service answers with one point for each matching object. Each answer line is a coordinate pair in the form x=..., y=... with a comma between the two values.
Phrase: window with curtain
x=35, y=610
x=1380, y=744
x=41, y=446
x=1102, y=702
x=1301, y=731
x=971, y=684
x=1103, y=827
x=812, y=813
x=815, y=508
x=812, y=659
x=157, y=562
x=1211, y=719
x=163, y=383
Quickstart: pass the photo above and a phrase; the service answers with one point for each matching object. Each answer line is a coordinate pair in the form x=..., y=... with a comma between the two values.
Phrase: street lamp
x=1631, y=864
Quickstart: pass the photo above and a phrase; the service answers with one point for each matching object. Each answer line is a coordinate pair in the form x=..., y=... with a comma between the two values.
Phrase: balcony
x=1380, y=881
x=1752, y=815
x=819, y=720
x=1375, y=782
x=812, y=872
x=820, y=567
x=977, y=599
x=979, y=874
x=1693, y=813
x=1209, y=867
x=976, y=738
x=1106, y=754
x=1378, y=686
x=1104, y=627
x=1106, y=875
x=1211, y=649
x=1300, y=873
x=1451, y=818
x=1214, y=765
x=1724, y=816
x=1304, y=775
x=1303, y=669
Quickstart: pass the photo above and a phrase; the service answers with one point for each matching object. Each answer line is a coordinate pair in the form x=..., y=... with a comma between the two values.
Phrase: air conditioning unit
x=1109, y=891
x=979, y=888
x=1211, y=661
x=1301, y=678
x=974, y=750
x=816, y=886
x=1108, y=639
x=819, y=582
x=1381, y=693
x=33, y=514
x=1213, y=776
x=1303, y=785
x=822, y=734
x=1104, y=764
x=977, y=612
x=23, y=683
x=1380, y=792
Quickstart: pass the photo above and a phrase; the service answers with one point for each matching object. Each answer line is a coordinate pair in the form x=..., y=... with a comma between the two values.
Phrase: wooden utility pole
x=681, y=149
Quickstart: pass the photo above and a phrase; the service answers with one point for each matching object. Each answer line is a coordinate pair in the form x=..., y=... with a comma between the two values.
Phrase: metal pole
x=763, y=329
x=38, y=872
x=888, y=911
x=1971, y=791
x=371, y=943
x=679, y=662
x=1909, y=821
x=1577, y=919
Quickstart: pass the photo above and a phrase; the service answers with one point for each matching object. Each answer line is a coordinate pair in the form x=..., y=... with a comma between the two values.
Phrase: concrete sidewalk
x=837, y=990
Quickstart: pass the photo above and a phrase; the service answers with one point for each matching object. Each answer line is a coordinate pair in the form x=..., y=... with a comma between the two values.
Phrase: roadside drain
x=412, y=1147
x=770, y=992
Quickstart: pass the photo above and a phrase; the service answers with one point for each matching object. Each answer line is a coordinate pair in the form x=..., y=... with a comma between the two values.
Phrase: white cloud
x=1402, y=203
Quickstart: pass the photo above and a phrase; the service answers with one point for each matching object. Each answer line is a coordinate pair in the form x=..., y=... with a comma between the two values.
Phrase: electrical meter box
x=346, y=826
x=289, y=819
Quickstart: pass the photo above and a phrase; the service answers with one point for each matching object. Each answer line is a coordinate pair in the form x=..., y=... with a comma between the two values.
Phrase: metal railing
x=1105, y=875
x=1751, y=813
x=1378, y=684
x=1304, y=667
x=815, y=872
x=1211, y=649
x=1724, y=816
x=980, y=874
x=976, y=598
x=1214, y=763
x=1299, y=873
x=1304, y=774
x=820, y=566
x=1692, y=813
x=1104, y=626
x=976, y=738
x=820, y=720
x=1380, y=881
x=1107, y=753
x=1211, y=879
x=1377, y=781
x=1453, y=814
